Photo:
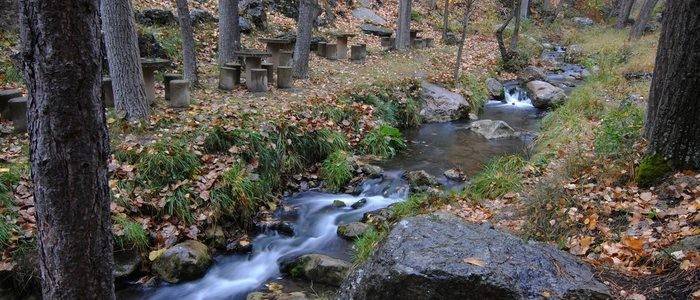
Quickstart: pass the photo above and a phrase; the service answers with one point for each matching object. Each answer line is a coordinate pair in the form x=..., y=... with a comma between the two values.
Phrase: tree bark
x=189, y=54
x=524, y=8
x=623, y=13
x=672, y=123
x=465, y=24
x=505, y=54
x=121, y=43
x=643, y=19
x=229, y=31
x=308, y=10
x=403, y=26
x=446, y=19
x=69, y=147
x=517, y=13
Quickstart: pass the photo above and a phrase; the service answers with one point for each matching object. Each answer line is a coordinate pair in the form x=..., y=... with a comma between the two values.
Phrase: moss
x=651, y=169
x=336, y=170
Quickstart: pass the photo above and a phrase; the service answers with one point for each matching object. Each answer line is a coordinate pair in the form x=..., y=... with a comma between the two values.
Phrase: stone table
x=275, y=46
x=253, y=60
x=342, y=42
x=414, y=34
x=149, y=66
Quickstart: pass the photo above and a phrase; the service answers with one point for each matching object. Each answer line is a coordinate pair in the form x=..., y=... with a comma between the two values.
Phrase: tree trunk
x=546, y=5
x=465, y=23
x=524, y=8
x=517, y=12
x=308, y=10
x=505, y=54
x=446, y=20
x=69, y=147
x=643, y=19
x=623, y=13
x=403, y=26
x=189, y=54
x=229, y=31
x=672, y=123
x=121, y=43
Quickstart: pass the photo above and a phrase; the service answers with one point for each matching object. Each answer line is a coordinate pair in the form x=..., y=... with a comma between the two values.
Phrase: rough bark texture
x=623, y=13
x=643, y=19
x=446, y=19
x=673, y=111
x=121, y=43
x=189, y=54
x=229, y=32
x=465, y=24
x=516, y=27
x=308, y=10
x=524, y=8
x=69, y=147
x=403, y=26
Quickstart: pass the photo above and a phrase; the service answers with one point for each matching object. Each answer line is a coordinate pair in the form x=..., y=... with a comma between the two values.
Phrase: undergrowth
x=384, y=141
x=336, y=170
x=167, y=162
x=499, y=176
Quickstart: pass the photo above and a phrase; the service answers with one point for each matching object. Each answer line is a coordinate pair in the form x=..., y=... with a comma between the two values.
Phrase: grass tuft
x=364, y=245
x=133, y=234
x=167, y=162
x=618, y=131
x=238, y=195
x=336, y=170
x=410, y=207
x=385, y=141
x=500, y=176
x=178, y=205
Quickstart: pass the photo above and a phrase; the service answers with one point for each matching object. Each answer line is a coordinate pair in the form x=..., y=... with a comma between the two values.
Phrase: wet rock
x=282, y=227
x=420, y=178
x=376, y=30
x=378, y=216
x=454, y=175
x=359, y=203
x=352, y=230
x=493, y=129
x=253, y=11
x=185, y=261
x=277, y=296
x=240, y=246
x=441, y=105
x=200, y=16
x=495, y=88
x=531, y=73
x=155, y=16
x=317, y=268
x=368, y=15
x=544, y=95
x=444, y=258
x=338, y=203
x=583, y=22
x=126, y=262
x=372, y=171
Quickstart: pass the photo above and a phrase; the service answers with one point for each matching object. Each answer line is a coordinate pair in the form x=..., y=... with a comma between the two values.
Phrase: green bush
x=238, y=195
x=618, y=131
x=336, y=170
x=500, y=176
x=384, y=141
x=167, y=162
x=651, y=170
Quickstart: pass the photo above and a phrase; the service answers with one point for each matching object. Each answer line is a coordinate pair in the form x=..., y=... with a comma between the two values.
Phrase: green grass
x=218, y=140
x=315, y=146
x=410, y=207
x=478, y=94
x=9, y=176
x=364, y=245
x=167, y=162
x=500, y=176
x=6, y=232
x=385, y=141
x=618, y=131
x=416, y=16
x=134, y=234
x=178, y=204
x=548, y=201
x=651, y=170
x=238, y=196
x=408, y=113
x=336, y=170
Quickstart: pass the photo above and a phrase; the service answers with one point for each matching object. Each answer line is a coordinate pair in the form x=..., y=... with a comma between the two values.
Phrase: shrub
x=167, y=162
x=500, y=176
x=384, y=141
x=364, y=245
x=651, y=169
x=336, y=170
x=237, y=195
x=618, y=131
x=133, y=234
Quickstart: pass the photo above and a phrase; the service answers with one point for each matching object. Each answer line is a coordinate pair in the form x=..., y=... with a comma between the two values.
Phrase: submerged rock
x=352, y=230
x=338, y=203
x=420, y=178
x=184, y=261
x=545, y=95
x=454, y=174
x=491, y=129
x=240, y=246
x=439, y=256
x=282, y=227
x=372, y=171
x=442, y=105
x=495, y=88
x=359, y=203
x=317, y=268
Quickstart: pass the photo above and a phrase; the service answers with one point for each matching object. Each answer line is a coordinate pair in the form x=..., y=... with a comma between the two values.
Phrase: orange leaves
x=633, y=243
x=580, y=245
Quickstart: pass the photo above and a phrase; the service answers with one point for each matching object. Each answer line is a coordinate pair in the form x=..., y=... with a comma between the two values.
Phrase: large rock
x=352, y=230
x=376, y=30
x=369, y=15
x=440, y=257
x=184, y=261
x=155, y=16
x=126, y=262
x=495, y=88
x=420, y=178
x=531, y=73
x=150, y=47
x=545, y=95
x=200, y=16
x=288, y=8
x=442, y=105
x=317, y=268
x=254, y=11
x=491, y=129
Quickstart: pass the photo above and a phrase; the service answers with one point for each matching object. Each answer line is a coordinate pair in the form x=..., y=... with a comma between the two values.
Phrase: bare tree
x=644, y=17
x=517, y=13
x=69, y=147
x=403, y=26
x=672, y=123
x=506, y=55
x=446, y=19
x=465, y=24
x=308, y=11
x=229, y=31
x=189, y=54
x=121, y=43
x=623, y=13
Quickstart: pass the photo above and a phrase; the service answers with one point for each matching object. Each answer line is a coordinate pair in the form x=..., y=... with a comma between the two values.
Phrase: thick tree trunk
x=623, y=13
x=643, y=19
x=446, y=19
x=524, y=8
x=189, y=53
x=69, y=147
x=465, y=24
x=403, y=26
x=673, y=111
x=229, y=32
x=516, y=27
x=547, y=5
x=308, y=10
x=121, y=43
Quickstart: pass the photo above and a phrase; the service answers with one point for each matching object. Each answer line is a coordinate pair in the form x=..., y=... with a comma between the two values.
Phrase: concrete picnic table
x=275, y=46
x=252, y=59
x=148, y=67
x=342, y=42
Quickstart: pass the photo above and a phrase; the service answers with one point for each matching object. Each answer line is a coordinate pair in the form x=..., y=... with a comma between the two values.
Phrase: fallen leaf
x=474, y=261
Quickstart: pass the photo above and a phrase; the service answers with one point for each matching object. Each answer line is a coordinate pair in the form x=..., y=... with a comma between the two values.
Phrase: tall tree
x=229, y=31
x=517, y=13
x=121, y=43
x=506, y=55
x=465, y=24
x=623, y=13
x=403, y=26
x=672, y=123
x=446, y=20
x=644, y=16
x=189, y=54
x=69, y=147
x=308, y=11
x=524, y=8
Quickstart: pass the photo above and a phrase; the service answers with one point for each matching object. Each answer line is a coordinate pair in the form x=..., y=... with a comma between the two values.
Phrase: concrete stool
x=107, y=92
x=358, y=52
x=270, y=71
x=429, y=42
x=332, y=51
x=227, y=78
x=237, y=73
x=284, y=77
x=5, y=97
x=166, y=83
x=258, y=80
x=321, y=49
x=179, y=93
x=18, y=113
x=285, y=58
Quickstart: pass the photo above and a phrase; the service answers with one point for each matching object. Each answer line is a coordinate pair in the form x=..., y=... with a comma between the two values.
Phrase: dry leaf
x=474, y=261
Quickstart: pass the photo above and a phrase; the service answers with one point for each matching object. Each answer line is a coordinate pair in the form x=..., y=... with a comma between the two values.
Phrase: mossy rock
x=185, y=261
x=651, y=170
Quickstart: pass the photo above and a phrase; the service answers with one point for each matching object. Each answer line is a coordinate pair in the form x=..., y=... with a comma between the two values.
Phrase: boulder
x=200, y=16
x=155, y=16
x=126, y=262
x=583, y=22
x=441, y=105
x=376, y=30
x=338, y=203
x=545, y=95
x=150, y=47
x=185, y=261
x=288, y=8
x=254, y=11
x=493, y=129
x=368, y=15
x=282, y=227
x=438, y=256
x=420, y=178
x=352, y=230
x=317, y=268
x=240, y=246
x=359, y=203
x=454, y=175
x=378, y=217
x=531, y=73
x=495, y=88
x=372, y=171
x=244, y=25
